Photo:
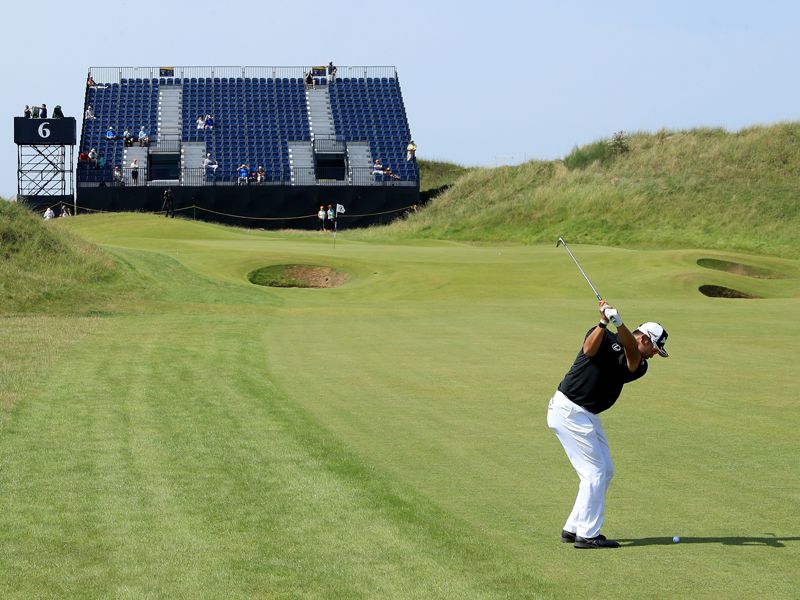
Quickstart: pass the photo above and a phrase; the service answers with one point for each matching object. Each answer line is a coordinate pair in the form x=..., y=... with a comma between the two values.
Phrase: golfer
x=606, y=362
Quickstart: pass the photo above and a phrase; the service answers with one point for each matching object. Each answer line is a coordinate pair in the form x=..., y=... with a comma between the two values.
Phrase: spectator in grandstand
x=110, y=133
x=127, y=137
x=261, y=174
x=411, y=151
x=201, y=122
x=331, y=72
x=93, y=158
x=330, y=214
x=27, y=112
x=117, y=175
x=209, y=121
x=48, y=214
x=89, y=114
x=309, y=79
x=377, y=167
x=167, y=208
x=210, y=164
x=83, y=157
x=321, y=215
x=35, y=111
x=244, y=174
x=387, y=171
x=43, y=111
x=90, y=82
x=144, y=138
x=57, y=112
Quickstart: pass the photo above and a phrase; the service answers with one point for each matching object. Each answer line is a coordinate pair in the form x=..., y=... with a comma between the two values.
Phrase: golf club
x=577, y=264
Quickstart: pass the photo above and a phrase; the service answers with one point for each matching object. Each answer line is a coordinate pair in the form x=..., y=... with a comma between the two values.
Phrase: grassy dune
x=702, y=188
x=180, y=432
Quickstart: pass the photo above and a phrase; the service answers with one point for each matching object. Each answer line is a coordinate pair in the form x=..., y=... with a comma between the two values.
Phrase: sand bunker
x=297, y=276
x=718, y=291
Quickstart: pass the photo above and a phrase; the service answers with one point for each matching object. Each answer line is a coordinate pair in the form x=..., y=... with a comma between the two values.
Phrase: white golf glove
x=613, y=316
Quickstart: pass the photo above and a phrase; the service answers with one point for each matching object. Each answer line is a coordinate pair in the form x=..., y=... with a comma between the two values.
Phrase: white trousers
x=581, y=433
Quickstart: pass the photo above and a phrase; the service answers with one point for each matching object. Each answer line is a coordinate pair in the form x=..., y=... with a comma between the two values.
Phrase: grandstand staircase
x=192, y=156
x=170, y=114
x=359, y=163
x=320, y=116
x=301, y=163
x=129, y=154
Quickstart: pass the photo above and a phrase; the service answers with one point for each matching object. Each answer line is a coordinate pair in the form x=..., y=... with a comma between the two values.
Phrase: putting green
x=386, y=438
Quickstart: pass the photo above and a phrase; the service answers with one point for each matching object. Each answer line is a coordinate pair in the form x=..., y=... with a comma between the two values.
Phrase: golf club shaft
x=577, y=264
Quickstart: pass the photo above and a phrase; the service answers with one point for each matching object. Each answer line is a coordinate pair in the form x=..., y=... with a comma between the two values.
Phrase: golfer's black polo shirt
x=595, y=383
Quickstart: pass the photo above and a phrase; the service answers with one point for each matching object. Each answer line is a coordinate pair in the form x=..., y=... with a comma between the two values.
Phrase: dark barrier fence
x=262, y=206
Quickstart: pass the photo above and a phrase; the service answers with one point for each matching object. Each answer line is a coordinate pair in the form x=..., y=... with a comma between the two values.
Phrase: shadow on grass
x=428, y=195
x=769, y=540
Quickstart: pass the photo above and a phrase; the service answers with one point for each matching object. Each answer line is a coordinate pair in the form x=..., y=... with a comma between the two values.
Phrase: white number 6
x=44, y=132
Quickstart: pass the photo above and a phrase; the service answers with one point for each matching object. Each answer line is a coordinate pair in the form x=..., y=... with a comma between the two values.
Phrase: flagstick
x=335, y=223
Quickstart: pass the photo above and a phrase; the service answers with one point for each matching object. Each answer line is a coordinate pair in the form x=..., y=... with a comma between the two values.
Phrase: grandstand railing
x=106, y=75
x=360, y=176
x=329, y=144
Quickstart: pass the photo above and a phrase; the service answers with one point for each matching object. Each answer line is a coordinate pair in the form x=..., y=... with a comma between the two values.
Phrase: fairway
x=193, y=435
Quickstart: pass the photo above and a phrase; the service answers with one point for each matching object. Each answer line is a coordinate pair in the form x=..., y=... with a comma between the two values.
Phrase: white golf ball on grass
x=676, y=539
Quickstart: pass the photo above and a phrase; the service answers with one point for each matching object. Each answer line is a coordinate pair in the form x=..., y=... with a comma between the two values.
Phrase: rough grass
x=704, y=188
x=44, y=268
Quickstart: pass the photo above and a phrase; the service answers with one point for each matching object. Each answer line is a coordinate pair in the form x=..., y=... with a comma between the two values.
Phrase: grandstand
x=312, y=138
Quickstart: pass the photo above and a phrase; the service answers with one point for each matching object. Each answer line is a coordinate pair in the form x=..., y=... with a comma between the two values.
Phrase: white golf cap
x=658, y=335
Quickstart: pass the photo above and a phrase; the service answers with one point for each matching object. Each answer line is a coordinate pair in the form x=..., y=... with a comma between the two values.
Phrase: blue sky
x=484, y=83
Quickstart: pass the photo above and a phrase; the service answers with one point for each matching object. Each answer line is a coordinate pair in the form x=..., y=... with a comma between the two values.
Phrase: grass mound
x=44, y=267
x=704, y=188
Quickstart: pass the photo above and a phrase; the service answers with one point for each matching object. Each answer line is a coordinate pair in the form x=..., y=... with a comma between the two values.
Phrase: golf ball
x=676, y=539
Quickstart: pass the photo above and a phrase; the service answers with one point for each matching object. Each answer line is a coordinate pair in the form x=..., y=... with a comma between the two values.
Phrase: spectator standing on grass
x=65, y=211
x=330, y=214
x=321, y=214
x=168, y=203
x=135, y=171
x=49, y=214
